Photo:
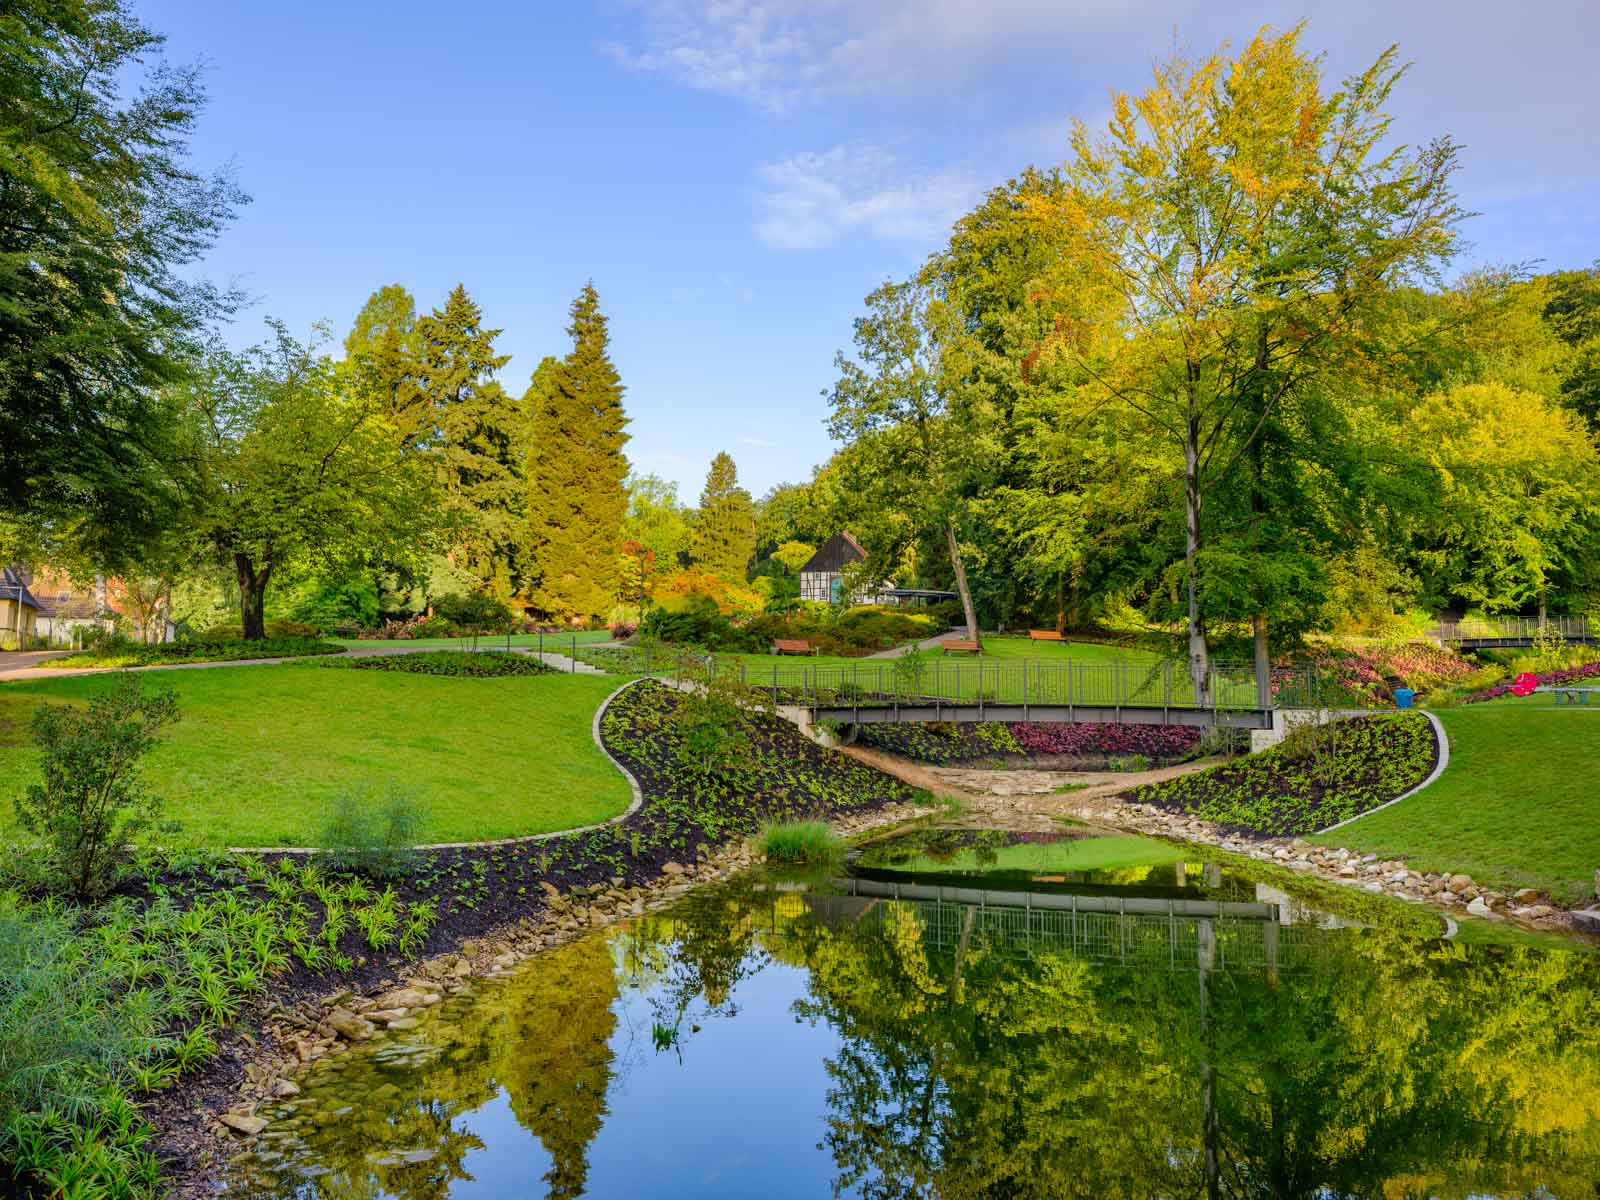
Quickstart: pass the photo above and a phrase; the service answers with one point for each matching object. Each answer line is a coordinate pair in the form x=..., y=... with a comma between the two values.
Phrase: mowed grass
x=1519, y=805
x=260, y=751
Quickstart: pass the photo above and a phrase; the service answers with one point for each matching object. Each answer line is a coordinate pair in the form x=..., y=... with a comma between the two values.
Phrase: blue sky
x=736, y=175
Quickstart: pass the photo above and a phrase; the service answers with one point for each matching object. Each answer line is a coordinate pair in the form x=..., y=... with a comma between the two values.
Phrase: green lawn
x=260, y=750
x=1519, y=805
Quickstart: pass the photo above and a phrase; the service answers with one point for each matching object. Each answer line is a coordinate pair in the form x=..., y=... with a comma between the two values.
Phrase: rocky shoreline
x=210, y=1118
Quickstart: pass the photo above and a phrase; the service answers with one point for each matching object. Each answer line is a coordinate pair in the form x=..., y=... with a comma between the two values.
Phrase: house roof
x=837, y=553
x=12, y=587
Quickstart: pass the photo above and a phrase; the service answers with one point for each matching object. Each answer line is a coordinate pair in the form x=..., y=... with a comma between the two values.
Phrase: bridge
x=1156, y=692
x=1509, y=632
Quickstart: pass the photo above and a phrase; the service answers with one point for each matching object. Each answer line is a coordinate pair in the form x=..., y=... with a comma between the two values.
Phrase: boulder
x=671, y=868
x=1527, y=895
x=243, y=1123
x=406, y=997
x=1480, y=907
x=349, y=1026
x=1587, y=919
x=285, y=1088
x=1460, y=883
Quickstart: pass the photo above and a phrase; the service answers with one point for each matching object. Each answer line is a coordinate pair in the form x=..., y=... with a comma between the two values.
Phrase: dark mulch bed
x=781, y=776
x=1075, y=745
x=1314, y=779
x=476, y=664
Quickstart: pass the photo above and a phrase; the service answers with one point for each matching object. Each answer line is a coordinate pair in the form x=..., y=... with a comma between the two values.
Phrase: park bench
x=1570, y=695
x=792, y=646
x=1045, y=635
x=964, y=644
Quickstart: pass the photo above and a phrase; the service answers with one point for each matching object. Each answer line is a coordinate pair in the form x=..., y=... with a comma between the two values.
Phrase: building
x=822, y=578
x=19, y=611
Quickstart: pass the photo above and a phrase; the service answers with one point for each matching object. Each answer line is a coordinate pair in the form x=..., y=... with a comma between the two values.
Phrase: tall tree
x=725, y=525
x=1243, y=218
x=574, y=470
x=656, y=519
x=99, y=214
x=291, y=473
x=471, y=426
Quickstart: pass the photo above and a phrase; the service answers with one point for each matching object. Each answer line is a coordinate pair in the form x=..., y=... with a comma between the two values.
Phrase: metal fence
x=1513, y=629
x=1157, y=683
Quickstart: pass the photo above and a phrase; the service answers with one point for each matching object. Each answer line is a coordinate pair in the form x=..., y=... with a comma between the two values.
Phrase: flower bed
x=207, y=651
x=481, y=664
x=1545, y=678
x=1316, y=778
x=1365, y=672
x=947, y=744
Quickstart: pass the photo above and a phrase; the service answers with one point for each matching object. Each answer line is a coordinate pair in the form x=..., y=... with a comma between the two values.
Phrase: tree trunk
x=1199, y=657
x=252, y=596
x=965, y=591
x=1061, y=603
x=1263, y=663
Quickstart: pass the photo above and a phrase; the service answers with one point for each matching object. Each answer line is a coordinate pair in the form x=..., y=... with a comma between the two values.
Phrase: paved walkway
x=927, y=644
x=16, y=667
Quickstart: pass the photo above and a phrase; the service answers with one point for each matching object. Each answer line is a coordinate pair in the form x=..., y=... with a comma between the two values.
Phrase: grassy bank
x=171, y=653
x=260, y=752
x=1519, y=805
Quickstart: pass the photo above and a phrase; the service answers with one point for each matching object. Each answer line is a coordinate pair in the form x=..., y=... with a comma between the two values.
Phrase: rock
x=1587, y=919
x=1479, y=907
x=347, y=1025
x=285, y=1088
x=405, y=1023
x=243, y=1123
x=407, y=997
x=1534, y=912
x=672, y=868
x=461, y=968
x=550, y=889
x=1527, y=895
x=386, y=1015
x=1348, y=872
x=1459, y=883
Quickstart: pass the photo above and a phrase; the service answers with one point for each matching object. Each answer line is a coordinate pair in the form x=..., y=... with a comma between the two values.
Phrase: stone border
x=1443, y=739
x=594, y=732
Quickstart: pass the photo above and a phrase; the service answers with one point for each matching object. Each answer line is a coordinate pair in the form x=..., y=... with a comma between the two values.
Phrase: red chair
x=1525, y=684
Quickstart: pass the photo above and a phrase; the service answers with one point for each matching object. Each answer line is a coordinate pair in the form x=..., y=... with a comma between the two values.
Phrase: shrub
x=133, y=655
x=92, y=806
x=274, y=629
x=811, y=842
x=621, y=631
x=477, y=610
x=374, y=839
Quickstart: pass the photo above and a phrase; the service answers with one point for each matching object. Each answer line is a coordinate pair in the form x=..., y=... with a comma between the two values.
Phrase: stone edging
x=594, y=732
x=1443, y=739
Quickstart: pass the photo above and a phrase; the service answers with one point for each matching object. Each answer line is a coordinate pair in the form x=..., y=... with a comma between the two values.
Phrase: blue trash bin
x=1403, y=697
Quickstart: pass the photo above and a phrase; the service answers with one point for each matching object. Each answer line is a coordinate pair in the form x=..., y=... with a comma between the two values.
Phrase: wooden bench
x=792, y=646
x=1045, y=635
x=967, y=645
x=1570, y=695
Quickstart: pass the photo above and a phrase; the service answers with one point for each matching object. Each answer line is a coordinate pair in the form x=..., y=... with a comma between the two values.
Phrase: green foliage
x=371, y=837
x=476, y=611
x=1318, y=776
x=274, y=630
x=92, y=805
x=573, y=472
x=810, y=842
x=657, y=520
x=724, y=537
x=102, y=214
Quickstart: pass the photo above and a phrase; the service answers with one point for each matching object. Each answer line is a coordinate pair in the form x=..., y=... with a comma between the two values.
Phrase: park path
x=926, y=644
x=15, y=667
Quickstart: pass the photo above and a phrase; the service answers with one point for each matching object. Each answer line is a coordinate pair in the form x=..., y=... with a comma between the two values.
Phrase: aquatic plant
x=809, y=842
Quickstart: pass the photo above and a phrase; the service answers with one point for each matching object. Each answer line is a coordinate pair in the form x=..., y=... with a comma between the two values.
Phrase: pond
x=970, y=1015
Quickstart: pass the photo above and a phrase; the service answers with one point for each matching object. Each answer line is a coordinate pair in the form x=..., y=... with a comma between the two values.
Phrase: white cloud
x=780, y=54
x=812, y=199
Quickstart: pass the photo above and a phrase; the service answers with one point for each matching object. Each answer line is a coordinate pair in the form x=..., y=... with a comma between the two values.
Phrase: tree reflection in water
x=974, y=1063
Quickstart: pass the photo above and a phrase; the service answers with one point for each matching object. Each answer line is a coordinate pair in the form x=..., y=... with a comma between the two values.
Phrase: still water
x=977, y=1016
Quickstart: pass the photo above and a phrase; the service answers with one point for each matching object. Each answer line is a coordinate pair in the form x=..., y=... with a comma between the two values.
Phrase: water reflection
x=777, y=1043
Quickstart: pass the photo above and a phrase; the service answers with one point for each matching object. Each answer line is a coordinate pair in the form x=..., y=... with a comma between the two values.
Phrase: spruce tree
x=574, y=471
x=469, y=427
x=725, y=527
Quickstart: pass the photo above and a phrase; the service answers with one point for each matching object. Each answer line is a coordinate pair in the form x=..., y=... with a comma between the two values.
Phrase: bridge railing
x=1163, y=683
x=1512, y=629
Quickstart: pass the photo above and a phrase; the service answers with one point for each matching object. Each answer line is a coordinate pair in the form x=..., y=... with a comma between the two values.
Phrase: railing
x=880, y=683
x=1519, y=629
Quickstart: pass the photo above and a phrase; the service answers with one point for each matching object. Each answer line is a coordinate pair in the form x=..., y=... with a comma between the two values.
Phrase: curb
x=594, y=732
x=1443, y=740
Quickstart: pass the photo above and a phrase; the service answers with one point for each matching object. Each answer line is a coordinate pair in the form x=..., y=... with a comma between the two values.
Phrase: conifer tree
x=469, y=425
x=725, y=528
x=574, y=471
